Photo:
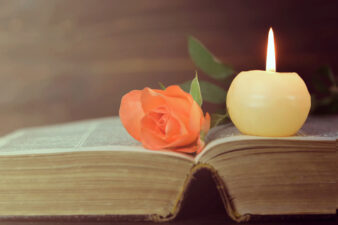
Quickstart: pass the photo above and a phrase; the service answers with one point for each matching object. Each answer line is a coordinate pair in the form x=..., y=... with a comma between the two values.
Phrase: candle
x=268, y=103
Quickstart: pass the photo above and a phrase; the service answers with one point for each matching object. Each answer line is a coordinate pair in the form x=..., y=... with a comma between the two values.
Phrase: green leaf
x=208, y=63
x=322, y=78
x=210, y=92
x=325, y=84
x=217, y=119
x=332, y=77
x=161, y=85
x=195, y=91
x=327, y=72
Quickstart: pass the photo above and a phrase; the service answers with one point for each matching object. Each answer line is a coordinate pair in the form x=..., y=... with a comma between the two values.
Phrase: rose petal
x=178, y=101
x=174, y=127
x=201, y=145
x=182, y=107
x=151, y=100
x=195, y=119
x=187, y=106
x=205, y=123
x=176, y=91
x=195, y=147
x=182, y=138
x=151, y=136
x=131, y=113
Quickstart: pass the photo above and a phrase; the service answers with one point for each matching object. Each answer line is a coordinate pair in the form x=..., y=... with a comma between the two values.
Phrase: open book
x=94, y=168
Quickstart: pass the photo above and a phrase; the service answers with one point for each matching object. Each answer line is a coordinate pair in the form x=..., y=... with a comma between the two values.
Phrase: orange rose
x=164, y=119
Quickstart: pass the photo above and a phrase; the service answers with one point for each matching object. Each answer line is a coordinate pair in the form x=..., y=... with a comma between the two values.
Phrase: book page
x=104, y=134
x=315, y=129
x=64, y=136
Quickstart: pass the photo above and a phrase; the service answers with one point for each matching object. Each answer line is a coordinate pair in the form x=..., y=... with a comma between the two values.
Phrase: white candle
x=268, y=103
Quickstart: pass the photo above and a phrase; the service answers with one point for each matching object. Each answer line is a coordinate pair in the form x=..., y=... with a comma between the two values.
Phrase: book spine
x=221, y=187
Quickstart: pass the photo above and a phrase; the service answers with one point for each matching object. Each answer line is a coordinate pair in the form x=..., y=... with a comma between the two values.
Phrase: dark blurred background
x=64, y=60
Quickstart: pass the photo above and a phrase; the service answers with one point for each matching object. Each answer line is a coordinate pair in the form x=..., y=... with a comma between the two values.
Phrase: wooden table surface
x=215, y=219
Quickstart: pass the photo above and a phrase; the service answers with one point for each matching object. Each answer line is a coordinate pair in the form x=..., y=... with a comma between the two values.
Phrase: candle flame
x=270, y=55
